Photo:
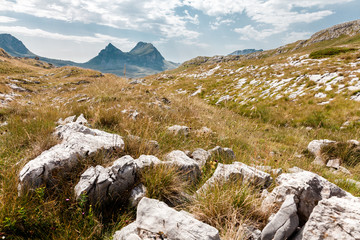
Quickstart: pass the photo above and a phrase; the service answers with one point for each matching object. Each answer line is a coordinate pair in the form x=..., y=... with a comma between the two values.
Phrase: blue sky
x=181, y=29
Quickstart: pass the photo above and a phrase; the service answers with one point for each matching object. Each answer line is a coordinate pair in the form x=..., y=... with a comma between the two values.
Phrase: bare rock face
x=179, y=130
x=200, y=156
x=333, y=218
x=308, y=189
x=78, y=141
x=102, y=185
x=185, y=164
x=156, y=220
x=137, y=194
x=228, y=152
x=238, y=170
x=284, y=223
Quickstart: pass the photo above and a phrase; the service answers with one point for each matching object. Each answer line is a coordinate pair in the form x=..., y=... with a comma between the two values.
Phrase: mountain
x=245, y=51
x=144, y=59
x=14, y=46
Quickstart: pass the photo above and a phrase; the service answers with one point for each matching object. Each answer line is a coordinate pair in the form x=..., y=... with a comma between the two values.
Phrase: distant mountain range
x=144, y=59
x=245, y=51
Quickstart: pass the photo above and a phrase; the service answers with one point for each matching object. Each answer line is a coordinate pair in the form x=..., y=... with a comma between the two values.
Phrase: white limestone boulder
x=332, y=219
x=200, y=156
x=237, y=171
x=185, y=164
x=227, y=152
x=308, y=189
x=284, y=223
x=78, y=142
x=179, y=130
x=102, y=185
x=155, y=219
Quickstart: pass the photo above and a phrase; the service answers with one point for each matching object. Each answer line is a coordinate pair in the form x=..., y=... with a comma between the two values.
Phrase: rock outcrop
x=78, y=142
x=238, y=171
x=156, y=220
x=185, y=164
x=102, y=185
x=308, y=189
x=333, y=218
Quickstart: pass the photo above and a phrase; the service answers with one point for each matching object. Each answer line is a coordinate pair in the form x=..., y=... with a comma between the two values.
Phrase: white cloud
x=154, y=16
x=220, y=21
x=4, y=19
x=97, y=38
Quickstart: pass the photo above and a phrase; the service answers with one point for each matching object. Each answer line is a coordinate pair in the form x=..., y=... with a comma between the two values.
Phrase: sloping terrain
x=267, y=107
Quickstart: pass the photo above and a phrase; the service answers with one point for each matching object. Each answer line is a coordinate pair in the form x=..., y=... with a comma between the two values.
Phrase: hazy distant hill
x=245, y=51
x=144, y=59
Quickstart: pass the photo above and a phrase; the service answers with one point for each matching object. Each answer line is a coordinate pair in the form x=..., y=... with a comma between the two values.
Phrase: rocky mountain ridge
x=245, y=51
x=144, y=59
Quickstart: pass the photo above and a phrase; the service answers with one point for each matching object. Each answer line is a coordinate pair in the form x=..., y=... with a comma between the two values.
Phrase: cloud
x=97, y=38
x=4, y=19
x=220, y=21
x=155, y=16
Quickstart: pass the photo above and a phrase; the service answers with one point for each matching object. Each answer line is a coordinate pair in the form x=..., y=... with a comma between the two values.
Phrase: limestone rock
x=114, y=183
x=66, y=120
x=77, y=142
x=238, y=170
x=128, y=232
x=228, y=152
x=81, y=120
x=284, y=223
x=137, y=194
x=146, y=161
x=155, y=216
x=185, y=164
x=308, y=188
x=334, y=218
x=179, y=130
x=334, y=163
x=315, y=146
x=200, y=156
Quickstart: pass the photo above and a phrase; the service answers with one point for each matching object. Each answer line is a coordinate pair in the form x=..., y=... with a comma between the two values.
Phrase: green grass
x=329, y=52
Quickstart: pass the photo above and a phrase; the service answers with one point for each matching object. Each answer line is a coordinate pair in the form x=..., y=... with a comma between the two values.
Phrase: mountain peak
x=110, y=47
x=14, y=46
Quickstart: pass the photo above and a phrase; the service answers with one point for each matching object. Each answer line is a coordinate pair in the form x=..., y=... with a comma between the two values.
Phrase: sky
x=180, y=29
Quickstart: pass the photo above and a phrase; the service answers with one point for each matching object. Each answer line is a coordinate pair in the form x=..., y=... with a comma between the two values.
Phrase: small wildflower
x=83, y=213
x=67, y=199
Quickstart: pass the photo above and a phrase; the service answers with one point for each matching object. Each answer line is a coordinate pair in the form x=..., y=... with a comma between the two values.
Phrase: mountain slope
x=143, y=59
x=245, y=51
x=14, y=47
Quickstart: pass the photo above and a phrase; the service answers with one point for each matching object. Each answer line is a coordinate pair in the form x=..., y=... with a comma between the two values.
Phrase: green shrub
x=328, y=52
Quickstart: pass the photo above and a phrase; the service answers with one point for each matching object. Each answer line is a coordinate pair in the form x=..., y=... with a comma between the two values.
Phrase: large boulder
x=185, y=164
x=333, y=218
x=114, y=183
x=284, y=223
x=156, y=219
x=235, y=171
x=308, y=189
x=78, y=142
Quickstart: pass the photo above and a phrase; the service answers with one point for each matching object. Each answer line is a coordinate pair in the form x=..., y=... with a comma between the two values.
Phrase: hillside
x=144, y=59
x=228, y=139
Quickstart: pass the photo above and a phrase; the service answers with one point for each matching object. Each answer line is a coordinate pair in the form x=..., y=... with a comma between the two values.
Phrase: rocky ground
x=263, y=146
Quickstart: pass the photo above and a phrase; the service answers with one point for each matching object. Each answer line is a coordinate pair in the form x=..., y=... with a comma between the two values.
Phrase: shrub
x=328, y=52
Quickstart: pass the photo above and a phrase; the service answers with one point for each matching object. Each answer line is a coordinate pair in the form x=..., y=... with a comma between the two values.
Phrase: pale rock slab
x=103, y=185
x=238, y=170
x=179, y=130
x=200, y=156
x=284, y=223
x=78, y=141
x=188, y=166
x=228, y=152
x=332, y=219
x=308, y=189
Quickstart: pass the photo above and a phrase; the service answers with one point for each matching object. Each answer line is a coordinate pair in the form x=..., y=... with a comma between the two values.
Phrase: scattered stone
x=200, y=156
x=156, y=219
x=353, y=142
x=308, y=188
x=102, y=185
x=228, y=152
x=145, y=161
x=352, y=181
x=3, y=124
x=137, y=81
x=315, y=146
x=333, y=218
x=237, y=171
x=17, y=88
x=66, y=120
x=251, y=233
x=137, y=194
x=185, y=164
x=81, y=120
x=198, y=91
x=334, y=163
x=342, y=170
x=284, y=223
x=204, y=131
x=179, y=130
x=78, y=142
